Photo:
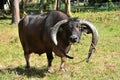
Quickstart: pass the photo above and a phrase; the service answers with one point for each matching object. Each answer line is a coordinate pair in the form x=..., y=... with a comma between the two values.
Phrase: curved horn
x=53, y=35
x=90, y=28
x=54, y=30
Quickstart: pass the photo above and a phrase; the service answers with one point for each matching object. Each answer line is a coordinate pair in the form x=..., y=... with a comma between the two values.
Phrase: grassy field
x=104, y=65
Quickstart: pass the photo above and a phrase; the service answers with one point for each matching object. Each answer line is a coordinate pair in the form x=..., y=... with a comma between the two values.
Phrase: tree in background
x=42, y=5
x=67, y=9
x=57, y=4
x=46, y=5
x=15, y=12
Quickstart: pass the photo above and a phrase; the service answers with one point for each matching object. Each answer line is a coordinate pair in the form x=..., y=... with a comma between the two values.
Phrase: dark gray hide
x=53, y=32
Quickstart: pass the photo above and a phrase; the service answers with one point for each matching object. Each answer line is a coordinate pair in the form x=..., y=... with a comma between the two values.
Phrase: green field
x=104, y=65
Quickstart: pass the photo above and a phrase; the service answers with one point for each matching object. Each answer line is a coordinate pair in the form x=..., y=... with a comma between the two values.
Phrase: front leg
x=59, y=51
x=50, y=58
x=63, y=64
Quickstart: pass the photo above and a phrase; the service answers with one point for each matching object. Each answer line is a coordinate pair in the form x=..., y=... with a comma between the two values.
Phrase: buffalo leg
x=63, y=63
x=27, y=56
x=50, y=59
x=67, y=48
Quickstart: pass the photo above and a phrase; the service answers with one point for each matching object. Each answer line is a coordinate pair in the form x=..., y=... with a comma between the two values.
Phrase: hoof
x=63, y=69
x=50, y=70
x=27, y=67
x=87, y=60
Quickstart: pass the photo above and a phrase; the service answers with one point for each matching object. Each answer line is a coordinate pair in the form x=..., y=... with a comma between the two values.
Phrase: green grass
x=104, y=65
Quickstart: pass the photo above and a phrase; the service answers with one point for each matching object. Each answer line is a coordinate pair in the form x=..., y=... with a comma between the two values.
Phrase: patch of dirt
x=111, y=66
x=5, y=37
x=118, y=39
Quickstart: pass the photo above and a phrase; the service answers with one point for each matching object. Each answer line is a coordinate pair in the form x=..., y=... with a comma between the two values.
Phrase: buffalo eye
x=78, y=27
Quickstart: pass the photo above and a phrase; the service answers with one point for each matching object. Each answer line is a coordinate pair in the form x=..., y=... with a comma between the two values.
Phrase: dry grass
x=105, y=63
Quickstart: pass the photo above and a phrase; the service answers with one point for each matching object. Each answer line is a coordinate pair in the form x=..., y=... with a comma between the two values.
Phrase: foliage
x=92, y=2
x=104, y=65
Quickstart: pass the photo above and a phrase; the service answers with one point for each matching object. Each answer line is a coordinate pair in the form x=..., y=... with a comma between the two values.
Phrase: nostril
x=73, y=38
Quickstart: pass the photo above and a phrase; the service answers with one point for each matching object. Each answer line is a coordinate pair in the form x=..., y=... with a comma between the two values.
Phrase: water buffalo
x=53, y=32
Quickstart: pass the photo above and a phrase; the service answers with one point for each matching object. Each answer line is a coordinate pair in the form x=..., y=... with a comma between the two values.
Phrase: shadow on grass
x=32, y=72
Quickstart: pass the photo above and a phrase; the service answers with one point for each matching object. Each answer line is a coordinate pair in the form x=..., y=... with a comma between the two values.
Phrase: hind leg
x=27, y=57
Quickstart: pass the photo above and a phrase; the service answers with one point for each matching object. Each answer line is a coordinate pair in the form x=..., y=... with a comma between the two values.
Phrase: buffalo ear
x=86, y=29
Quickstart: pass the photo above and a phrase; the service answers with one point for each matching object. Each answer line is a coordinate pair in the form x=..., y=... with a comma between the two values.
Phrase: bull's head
x=74, y=30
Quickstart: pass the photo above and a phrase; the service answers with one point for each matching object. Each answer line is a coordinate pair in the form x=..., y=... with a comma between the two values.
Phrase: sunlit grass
x=104, y=65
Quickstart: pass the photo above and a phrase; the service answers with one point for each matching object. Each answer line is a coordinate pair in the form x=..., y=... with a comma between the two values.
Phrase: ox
x=53, y=32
